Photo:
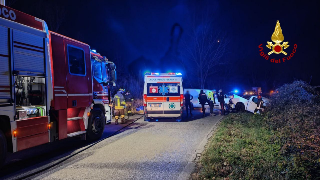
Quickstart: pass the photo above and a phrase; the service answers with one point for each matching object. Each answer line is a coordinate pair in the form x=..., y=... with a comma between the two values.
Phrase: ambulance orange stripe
x=163, y=99
x=155, y=98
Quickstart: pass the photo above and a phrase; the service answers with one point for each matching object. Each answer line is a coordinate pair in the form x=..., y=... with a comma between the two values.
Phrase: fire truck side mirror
x=112, y=66
x=113, y=76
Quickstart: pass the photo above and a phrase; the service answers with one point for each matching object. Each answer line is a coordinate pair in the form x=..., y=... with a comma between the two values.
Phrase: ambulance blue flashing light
x=148, y=73
x=93, y=50
x=236, y=91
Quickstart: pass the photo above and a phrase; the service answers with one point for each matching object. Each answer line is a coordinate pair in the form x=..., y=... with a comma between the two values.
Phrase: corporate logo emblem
x=153, y=89
x=163, y=89
x=278, y=47
x=277, y=38
x=172, y=106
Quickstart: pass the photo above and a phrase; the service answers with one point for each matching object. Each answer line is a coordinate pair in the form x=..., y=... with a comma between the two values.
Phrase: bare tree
x=204, y=47
x=133, y=84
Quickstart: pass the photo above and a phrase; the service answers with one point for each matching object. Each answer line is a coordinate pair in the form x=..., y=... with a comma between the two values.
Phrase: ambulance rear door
x=171, y=96
x=154, y=99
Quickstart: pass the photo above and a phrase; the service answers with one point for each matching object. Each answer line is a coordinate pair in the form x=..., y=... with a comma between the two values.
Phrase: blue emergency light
x=236, y=91
x=179, y=74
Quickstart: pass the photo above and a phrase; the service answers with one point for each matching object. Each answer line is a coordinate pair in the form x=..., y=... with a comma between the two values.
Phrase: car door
x=252, y=104
x=78, y=76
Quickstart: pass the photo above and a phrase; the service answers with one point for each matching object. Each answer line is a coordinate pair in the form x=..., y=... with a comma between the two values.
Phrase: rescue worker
x=259, y=104
x=212, y=102
x=203, y=99
x=221, y=101
x=119, y=102
x=187, y=98
x=214, y=96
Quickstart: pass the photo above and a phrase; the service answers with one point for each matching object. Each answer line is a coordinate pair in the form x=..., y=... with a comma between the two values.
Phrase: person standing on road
x=187, y=98
x=203, y=99
x=221, y=101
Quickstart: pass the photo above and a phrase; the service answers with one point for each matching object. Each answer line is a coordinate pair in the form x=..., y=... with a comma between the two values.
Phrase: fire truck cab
x=104, y=78
x=163, y=95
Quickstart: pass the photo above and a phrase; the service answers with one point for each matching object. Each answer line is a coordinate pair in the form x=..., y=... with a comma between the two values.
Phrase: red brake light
x=181, y=99
x=15, y=132
x=144, y=100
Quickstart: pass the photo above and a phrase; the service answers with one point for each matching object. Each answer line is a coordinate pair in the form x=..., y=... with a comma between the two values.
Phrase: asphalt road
x=159, y=149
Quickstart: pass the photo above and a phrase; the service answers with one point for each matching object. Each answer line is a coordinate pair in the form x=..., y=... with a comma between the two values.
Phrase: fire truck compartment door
x=4, y=68
x=28, y=52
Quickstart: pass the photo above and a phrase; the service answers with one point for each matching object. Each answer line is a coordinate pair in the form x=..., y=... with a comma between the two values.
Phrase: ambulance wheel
x=240, y=107
x=96, y=123
x=3, y=148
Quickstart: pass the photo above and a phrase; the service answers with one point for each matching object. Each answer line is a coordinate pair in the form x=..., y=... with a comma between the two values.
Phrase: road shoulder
x=190, y=167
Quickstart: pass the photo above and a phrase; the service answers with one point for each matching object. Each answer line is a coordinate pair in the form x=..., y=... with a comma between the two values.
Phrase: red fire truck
x=50, y=85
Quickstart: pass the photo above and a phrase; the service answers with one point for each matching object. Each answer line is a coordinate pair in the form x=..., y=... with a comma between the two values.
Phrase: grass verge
x=241, y=148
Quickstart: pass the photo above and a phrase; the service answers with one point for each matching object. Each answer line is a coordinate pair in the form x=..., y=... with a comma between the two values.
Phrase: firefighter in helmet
x=120, y=103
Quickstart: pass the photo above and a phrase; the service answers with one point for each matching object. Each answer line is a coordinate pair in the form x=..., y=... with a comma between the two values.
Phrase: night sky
x=125, y=31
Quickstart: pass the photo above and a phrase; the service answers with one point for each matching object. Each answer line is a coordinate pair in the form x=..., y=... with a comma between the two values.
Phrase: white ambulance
x=162, y=95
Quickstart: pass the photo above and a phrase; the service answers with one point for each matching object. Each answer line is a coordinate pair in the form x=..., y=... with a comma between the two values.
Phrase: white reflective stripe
x=58, y=87
x=60, y=95
x=79, y=94
x=102, y=94
x=74, y=118
x=61, y=91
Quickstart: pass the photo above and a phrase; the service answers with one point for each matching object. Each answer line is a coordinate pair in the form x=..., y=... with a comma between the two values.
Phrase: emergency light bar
x=148, y=73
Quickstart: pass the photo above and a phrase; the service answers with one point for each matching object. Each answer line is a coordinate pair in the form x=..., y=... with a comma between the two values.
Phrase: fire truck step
x=74, y=118
x=76, y=133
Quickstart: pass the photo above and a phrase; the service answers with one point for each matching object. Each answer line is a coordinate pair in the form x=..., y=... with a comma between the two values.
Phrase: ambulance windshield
x=163, y=89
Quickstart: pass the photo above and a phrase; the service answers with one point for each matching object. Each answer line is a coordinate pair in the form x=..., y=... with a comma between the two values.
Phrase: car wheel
x=3, y=148
x=96, y=124
x=240, y=107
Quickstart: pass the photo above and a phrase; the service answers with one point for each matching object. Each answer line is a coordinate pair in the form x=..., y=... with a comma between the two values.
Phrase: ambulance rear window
x=163, y=89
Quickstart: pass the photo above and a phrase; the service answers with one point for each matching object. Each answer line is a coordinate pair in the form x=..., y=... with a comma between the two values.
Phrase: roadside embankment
x=283, y=143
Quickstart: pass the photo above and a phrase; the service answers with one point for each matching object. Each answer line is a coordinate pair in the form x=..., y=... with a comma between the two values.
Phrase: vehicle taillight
x=144, y=100
x=181, y=99
x=15, y=132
